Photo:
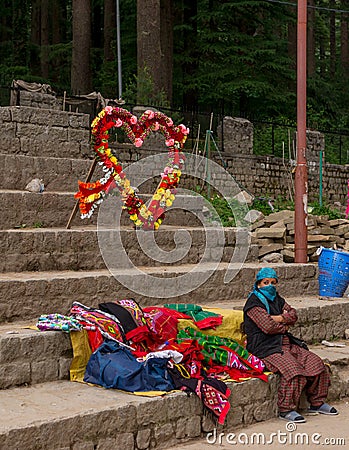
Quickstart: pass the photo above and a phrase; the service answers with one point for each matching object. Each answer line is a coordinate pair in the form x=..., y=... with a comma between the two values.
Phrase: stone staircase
x=45, y=267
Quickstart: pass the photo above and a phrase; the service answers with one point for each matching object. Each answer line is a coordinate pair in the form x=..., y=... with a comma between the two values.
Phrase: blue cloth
x=266, y=272
x=114, y=366
x=265, y=293
x=264, y=296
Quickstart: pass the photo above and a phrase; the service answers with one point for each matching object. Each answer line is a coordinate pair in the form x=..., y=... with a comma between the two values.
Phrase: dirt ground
x=318, y=432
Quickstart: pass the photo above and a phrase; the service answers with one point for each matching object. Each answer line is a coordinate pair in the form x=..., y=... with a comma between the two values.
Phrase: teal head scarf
x=266, y=293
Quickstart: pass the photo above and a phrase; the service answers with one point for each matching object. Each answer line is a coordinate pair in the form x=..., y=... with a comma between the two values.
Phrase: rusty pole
x=301, y=175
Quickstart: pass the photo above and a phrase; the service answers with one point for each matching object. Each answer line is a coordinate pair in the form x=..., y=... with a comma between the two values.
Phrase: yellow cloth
x=81, y=355
x=230, y=327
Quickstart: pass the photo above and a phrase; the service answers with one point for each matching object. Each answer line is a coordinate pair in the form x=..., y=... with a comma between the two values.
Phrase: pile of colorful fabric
x=158, y=348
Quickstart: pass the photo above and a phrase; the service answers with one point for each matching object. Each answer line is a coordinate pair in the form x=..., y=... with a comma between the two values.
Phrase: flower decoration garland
x=90, y=195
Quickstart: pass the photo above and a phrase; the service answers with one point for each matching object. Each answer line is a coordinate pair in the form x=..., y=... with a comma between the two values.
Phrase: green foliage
x=230, y=212
x=267, y=205
x=140, y=90
x=324, y=210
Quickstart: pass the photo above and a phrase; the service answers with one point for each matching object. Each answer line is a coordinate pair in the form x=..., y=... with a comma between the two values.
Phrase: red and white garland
x=137, y=130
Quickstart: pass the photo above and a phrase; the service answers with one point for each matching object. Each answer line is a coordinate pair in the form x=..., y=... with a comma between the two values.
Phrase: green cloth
x=212, y=346
x=194, y=311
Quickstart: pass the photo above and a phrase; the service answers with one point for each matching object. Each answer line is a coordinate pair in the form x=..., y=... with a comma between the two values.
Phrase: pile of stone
x=275, y=235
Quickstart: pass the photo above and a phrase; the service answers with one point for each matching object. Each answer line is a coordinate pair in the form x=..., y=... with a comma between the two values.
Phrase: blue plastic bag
x=114, y=366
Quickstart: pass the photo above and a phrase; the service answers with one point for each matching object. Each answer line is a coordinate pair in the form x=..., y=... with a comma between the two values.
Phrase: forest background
x=234, y=58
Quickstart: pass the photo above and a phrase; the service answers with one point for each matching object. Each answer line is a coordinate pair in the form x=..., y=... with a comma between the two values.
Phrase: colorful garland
x=90, y=195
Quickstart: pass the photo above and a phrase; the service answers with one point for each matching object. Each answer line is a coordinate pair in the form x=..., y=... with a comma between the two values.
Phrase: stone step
x=58, y=174
x=28, y=356
x=62, y=174
x=29, y=294
x=53, y=209
x=62, y=415
x=37, y=249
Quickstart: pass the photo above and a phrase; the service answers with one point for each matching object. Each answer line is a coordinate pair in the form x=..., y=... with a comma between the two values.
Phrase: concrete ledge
x=28, y=294
x=63, y=415
x=30, y=249
x=58, y=174
x=29, y=357
x=53, y=209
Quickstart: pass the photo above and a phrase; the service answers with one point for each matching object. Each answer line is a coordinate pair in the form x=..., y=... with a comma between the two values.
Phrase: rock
x=35, y=185
x=258, y=224
x=273, y=258
x=321, y=230
x=244, y=197
x=265, y=241
x=279, y=224
x=336, y=222
x=288, y=255
x=323, y=220
x=346, y=333
x=341, y=230
x=280, y=215
x=274, y=233
x=271, y=248
x=253, y=215
x=319, y=238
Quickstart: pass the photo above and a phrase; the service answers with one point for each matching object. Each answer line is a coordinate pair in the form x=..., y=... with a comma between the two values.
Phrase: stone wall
x=36, y=100
x=44, y=132
x=272, y=176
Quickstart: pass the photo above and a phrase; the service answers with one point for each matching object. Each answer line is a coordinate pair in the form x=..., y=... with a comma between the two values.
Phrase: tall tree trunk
x=109, y=29
x=80, y=69
x=44, y=39
x=166, y=34
x=154, y=44
x=345, y=39
x=56, y=20
x=190, y=98
x=35, y=22
x=35, y=36
x=97, y=25
x=333, y=58
x=311, y=62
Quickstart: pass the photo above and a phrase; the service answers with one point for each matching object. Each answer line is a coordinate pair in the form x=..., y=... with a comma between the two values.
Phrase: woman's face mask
x=268, y=287
x=269, y=290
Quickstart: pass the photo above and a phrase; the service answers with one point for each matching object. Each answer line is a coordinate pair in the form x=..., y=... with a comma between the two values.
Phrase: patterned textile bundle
x=163, y=322
x=100, y=324
x=58, y=322
x=213, y=393
x=131, y=317
x=223, y=351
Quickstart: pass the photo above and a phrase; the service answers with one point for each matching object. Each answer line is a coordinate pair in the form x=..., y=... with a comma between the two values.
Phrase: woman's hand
x=278, y=318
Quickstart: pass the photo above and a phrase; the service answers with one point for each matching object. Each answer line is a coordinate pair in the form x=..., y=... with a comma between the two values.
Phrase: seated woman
x=267, y=318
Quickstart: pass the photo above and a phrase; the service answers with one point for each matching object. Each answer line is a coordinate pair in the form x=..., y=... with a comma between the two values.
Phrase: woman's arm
x=289, y=314
x=265, y=322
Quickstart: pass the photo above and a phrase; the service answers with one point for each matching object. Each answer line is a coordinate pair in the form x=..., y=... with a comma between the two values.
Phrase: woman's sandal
x=325, y=408
x=292, y=416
